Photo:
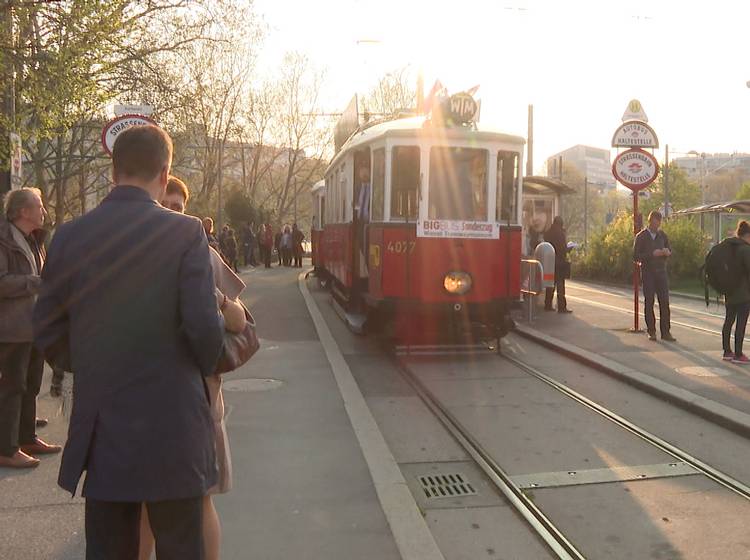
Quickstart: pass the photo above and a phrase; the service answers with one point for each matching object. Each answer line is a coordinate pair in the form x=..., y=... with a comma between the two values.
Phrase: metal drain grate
x=446, y=486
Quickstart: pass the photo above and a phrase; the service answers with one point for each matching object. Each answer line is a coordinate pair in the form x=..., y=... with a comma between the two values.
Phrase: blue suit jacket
x=128, y=305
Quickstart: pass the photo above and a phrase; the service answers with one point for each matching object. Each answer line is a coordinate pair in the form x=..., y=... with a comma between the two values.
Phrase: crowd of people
x=287, y=243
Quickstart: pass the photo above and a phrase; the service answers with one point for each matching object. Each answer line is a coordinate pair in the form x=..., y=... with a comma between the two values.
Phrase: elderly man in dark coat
x=128, y=305
x=21, y=365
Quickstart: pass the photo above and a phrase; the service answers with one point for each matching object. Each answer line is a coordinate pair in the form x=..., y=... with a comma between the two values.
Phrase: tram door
x=360, y=219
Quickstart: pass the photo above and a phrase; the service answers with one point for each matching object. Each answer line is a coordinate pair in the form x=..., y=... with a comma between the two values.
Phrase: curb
x=413, y=537
x=730, y=418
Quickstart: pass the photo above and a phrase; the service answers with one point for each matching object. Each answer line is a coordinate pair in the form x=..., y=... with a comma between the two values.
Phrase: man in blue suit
x=128, y=305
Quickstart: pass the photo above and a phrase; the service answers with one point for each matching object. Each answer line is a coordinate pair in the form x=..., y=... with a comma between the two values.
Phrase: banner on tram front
x=464, y=229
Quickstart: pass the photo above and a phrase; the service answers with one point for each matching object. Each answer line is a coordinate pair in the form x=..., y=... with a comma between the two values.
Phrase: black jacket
x=644, y=247
x=128, y=294
x=555, y=236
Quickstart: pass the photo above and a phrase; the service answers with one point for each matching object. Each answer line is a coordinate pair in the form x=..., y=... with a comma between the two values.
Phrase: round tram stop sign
x=635, y=169
x=119, y=124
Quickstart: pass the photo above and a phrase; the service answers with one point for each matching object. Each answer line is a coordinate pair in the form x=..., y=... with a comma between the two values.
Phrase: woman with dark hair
x=228, y=287
x=737, y=302
x=556, y=237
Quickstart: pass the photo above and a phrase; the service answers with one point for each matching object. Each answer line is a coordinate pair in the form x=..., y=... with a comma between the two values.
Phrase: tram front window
x=458, y=184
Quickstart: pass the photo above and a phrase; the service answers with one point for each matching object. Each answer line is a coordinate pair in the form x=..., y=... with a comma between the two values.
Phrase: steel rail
x=714, y=474
x=539, y=522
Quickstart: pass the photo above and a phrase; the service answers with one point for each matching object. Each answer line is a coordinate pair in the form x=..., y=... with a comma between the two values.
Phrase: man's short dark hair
x=654, y=214
x=178, y=186
x=141, y=152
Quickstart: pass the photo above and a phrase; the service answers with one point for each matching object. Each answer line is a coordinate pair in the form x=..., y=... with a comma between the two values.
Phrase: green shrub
x=688, y=248
x=610, y=253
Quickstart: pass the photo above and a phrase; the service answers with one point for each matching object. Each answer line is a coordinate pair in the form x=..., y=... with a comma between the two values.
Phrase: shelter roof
x=535, y=184
x=735, y=206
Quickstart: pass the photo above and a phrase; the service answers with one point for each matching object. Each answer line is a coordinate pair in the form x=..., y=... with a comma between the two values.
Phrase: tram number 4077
x=400, y=247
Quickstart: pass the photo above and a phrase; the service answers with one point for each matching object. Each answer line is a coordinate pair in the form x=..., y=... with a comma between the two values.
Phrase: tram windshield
x=458, y=184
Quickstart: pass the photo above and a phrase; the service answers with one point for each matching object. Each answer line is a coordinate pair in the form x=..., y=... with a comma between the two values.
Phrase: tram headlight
x=457, y=282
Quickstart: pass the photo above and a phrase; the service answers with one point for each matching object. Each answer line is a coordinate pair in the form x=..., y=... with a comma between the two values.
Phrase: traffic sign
x=121, y=110
x=635, y=169
x=634, y=112
x=117, y=125
x=635, y=134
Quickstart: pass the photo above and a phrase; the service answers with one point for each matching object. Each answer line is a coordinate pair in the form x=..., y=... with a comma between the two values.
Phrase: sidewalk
x=302, y=487
x=689, y=372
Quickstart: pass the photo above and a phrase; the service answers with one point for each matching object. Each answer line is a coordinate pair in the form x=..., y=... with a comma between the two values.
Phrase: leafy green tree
x=744, y=192
x=240, y=209
x=576, y=206
x=683, y=193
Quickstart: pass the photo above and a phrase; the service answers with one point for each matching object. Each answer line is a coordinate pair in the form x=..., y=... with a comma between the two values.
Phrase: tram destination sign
x=635, y=169
x=118, y=125
x=635, y=134
x=465, y=229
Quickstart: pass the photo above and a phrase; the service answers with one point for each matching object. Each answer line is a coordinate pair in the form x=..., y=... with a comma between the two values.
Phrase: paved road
x=301, y=486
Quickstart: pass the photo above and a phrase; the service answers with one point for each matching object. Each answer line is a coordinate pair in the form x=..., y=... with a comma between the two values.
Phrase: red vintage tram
x=417, y=228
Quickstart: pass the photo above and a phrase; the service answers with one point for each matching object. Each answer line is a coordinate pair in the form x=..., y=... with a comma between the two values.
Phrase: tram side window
x=378, y=184
x=507, y=186
x=458, y=184
x=343, y=192
x=404, y=181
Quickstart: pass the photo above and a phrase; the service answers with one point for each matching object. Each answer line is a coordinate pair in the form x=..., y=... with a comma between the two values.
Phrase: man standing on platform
x=651, y=249
x=21, y=365
x=128, y=305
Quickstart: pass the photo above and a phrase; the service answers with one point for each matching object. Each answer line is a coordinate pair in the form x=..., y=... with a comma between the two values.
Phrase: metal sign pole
x=635, y=266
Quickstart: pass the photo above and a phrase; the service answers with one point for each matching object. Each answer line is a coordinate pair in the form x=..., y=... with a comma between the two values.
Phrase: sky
x=578, y=62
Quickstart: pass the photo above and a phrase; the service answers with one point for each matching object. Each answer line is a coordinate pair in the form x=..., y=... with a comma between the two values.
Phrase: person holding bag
x=228, y=288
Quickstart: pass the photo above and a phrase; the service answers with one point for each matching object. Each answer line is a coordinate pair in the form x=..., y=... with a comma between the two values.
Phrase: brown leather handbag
x=239, y=347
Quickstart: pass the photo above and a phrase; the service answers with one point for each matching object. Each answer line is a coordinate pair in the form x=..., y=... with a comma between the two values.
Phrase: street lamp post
x=702, y=183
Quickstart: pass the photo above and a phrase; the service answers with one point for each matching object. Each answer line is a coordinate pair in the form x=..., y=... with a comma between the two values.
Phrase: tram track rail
x=555, y=540
x=544, y=527
x=701, y=467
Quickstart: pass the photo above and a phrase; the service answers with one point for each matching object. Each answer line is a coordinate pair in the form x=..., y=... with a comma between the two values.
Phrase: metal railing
x=532, y=276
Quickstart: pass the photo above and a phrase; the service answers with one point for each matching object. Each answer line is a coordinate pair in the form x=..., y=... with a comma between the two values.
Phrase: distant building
x=592, y=163
x=694, y=165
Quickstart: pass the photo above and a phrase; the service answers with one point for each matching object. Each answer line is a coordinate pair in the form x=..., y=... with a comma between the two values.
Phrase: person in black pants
x=22, y=258
x=737, y=302
x=651, y=249
x=128, y=296
x=556, y=237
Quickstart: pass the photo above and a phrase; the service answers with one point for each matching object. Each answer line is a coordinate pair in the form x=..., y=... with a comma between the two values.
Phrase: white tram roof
x=421, y=126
